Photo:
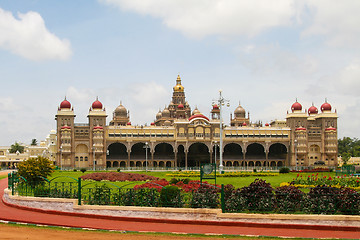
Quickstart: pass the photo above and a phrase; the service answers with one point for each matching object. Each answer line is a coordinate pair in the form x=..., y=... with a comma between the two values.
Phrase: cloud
x=338, y=21
x=201, y=18
x=28, y=37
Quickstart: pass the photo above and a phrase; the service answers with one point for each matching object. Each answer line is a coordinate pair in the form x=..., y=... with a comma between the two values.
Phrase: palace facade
x=183, y=138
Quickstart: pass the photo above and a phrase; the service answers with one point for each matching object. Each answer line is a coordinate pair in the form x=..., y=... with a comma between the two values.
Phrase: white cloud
x=338, y=21
x=28, y=37
x=201, y=18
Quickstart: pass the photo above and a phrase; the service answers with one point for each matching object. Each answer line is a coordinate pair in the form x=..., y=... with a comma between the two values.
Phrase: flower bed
x=185, y=174
x=118, y=177
x=313, y=180
x=313, y=170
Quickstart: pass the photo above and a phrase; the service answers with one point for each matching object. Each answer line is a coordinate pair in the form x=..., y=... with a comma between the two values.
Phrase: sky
x=260, y=53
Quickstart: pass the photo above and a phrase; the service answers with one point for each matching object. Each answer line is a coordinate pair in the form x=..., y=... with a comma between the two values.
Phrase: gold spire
x=178, y=87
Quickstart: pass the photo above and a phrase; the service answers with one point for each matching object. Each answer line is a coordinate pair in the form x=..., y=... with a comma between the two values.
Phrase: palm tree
x=16, y=147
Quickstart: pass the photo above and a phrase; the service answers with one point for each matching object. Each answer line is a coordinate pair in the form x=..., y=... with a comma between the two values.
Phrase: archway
x=117, y=151
x=255, y=151
x=277, y=151
x=138, y=152
x=181, y=156
x=198, y=154
x=232, y=151
x=164, y=151
x=122, y=164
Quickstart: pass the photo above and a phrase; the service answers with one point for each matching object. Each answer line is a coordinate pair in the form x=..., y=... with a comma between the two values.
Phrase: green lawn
x=237, y=182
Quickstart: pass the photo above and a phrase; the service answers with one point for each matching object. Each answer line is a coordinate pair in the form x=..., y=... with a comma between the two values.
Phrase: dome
x=158, y=115
x=196, y=111
x=296, y=106
x=166, y=113
x=129, y=124
x=244, y=124
x=215, y=107
x=120, y=111
x=65, y=127
x=152, y=124
x=178, y=87
x=65, y=104
x=181, y=106
x=239, y=112
x=167, y=123
x=330, y=129
x=325, y=107
x=97, y=104
x=312, y=110
x=300, y=129
x=266, y=124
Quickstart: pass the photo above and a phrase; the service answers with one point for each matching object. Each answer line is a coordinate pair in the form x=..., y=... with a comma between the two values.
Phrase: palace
x=181, y=138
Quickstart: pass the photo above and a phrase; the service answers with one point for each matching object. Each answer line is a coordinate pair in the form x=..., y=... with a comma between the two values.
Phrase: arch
x=161, y=164
x=132, y=164
x=251, y=164
x=117, y=151
x=164, y=151
x=138, y=151
x=255, y=151
x=236, y=164
x=272, y=164
x=168, y=164
x=232, y=151
x=180, y=156
x=138, y=164
x=108, y=164
x=229, y=164
x=314, y=154
x=280, y=164
x=258, y=164
x=277, y=151
x=122, y=164
x=155, y=164
x=115, y=164
x=198, y=154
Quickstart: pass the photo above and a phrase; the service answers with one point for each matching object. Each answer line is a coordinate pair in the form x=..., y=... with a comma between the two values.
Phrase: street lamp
x=61, y=168
x=146, y=156
x=295, y=145
x=221, y=102
x=94, y=162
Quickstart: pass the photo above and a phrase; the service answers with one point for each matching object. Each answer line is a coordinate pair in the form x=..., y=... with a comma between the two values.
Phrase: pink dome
x=296, y=106
x=325, y=107
x=244, y=124
x=215, y=106
x=266, y=124
x=65, y=104
x=98, y=127
x=65, y=127
x=330, y=129
x=312, y=110
x=129, y=124
x=180, y=106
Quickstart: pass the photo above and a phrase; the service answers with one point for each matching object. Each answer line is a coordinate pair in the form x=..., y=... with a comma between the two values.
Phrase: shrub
x=75, y=170
x=100, y=195
x=170, y=197
x=34, y=170
x=141, y=197
x=254, y=170
x=288, y=198
x=174, y=181
x=117, y=176
x=284, y=170
x=205, y=197
x=259, y=196
x=235, y=202
x=118, y=170
x=83, y=170
x=321, y=200
x=349, y=201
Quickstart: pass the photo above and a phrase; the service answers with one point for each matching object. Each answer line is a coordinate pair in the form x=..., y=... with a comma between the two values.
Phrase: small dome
x=98, y=128
x=152, y=124
x=178, y=87
x=120, y=111
x=239, y=112
x=181, y=106
x=266, y=124
x=312, y=110
x=215, y=106
x=244, y=124
x=158, y=115
x=330, y=129
x=129, y=124
x=196, y=111
x=65, y=104
x=65, y=127
x=97, y=104
x=296, y=106
x=166, y=113
x=325, y=107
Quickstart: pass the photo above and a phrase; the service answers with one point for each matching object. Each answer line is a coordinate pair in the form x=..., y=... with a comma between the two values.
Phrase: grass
x=237, y=182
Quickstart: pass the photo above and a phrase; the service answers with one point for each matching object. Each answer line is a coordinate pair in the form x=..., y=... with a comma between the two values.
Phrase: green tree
x=345, y=157
x=350, y=146
x=35, y=169
x=16, y=147
x=34, y=142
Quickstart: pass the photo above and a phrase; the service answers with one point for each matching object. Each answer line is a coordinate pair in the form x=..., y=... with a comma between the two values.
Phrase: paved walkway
x=14, y=214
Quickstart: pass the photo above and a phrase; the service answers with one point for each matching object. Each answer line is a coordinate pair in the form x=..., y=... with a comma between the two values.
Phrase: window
x=76, y=159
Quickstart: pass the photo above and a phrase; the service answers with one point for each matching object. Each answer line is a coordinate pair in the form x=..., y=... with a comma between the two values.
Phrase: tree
x=34, y=142
x=16, y=147
x=345, y=157
x=35, y=169
x=350, y=146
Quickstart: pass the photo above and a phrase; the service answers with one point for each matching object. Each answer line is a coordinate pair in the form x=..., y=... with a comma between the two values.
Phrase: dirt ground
x=8, y=232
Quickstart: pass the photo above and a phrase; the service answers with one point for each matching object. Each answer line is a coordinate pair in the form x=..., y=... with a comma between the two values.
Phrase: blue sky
x=262, y=53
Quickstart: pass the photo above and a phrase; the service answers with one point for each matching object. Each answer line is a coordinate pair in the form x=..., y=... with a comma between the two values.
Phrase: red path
x=14, y=214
